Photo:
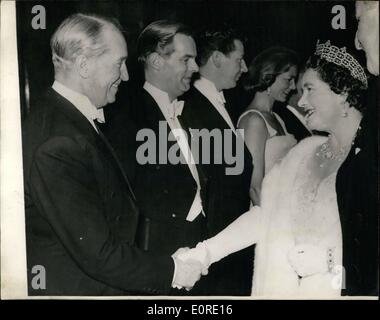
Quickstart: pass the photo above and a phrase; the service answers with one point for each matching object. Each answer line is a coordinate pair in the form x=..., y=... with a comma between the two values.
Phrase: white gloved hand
x=187, y=273
x=199, y=253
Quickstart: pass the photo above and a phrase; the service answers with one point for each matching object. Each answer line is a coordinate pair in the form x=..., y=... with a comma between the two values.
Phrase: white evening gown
x=276, y=147
x=295, y=209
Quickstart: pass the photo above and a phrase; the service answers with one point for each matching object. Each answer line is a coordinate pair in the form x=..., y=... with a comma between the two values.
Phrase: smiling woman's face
x=284, y=83
x=323, y=107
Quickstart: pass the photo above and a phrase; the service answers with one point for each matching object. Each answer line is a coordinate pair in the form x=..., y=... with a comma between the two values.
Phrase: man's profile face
x=232, y=66
x=367, y=35
x=108, y=70
x=179, y=67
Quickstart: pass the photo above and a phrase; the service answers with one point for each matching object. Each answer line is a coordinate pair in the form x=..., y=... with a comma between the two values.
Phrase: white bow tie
x=175, y=108
x=221, y=98
x=98, y=115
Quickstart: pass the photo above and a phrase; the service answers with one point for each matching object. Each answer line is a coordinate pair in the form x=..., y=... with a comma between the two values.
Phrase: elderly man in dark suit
x=221, y=60
x=81, y=213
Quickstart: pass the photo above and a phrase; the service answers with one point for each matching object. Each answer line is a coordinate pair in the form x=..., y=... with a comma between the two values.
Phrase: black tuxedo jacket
x=357, y=193
x=228, y=197
x=292, y=123
x=165, y=191
x=81, y=218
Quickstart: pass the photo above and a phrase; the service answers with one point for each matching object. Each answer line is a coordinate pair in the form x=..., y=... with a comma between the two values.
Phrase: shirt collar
x=169, y=109
x=208, y=88
x=80, y=101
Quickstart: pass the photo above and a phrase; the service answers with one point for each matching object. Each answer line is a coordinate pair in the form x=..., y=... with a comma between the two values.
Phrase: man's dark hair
x=158, y=37
x=218, y=40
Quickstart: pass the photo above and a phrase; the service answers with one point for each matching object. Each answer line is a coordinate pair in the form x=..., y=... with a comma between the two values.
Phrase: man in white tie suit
x=221, y=63
x=171, y=195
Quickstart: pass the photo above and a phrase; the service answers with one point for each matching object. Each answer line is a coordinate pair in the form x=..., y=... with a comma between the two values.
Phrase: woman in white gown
x=297, y=228
x=271, y=77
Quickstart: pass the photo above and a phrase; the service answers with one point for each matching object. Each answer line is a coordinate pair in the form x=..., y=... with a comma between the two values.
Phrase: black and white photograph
x=190, y=150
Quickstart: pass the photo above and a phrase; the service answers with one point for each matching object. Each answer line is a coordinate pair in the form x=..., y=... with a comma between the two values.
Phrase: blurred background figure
x=293, y=115
x=357, y=178
x=271, y=77
x=367, y=34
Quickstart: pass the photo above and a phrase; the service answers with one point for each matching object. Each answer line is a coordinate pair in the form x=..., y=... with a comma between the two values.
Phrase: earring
x=345, y=114
x=268, y=91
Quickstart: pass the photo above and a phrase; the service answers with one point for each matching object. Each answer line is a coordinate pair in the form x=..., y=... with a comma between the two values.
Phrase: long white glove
x=240, y=234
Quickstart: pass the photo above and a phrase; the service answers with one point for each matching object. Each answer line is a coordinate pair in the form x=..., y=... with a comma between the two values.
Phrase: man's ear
x=216, y=58
x=82, y=66
x=155, y=61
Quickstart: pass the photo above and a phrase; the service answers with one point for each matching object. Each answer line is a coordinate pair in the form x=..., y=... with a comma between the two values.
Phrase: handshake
x=190, y=264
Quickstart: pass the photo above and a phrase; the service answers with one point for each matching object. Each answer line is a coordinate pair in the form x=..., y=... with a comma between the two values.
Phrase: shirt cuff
x=175, y=273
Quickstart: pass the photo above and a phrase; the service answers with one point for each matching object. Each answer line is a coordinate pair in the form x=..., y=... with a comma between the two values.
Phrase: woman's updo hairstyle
x=339, y=79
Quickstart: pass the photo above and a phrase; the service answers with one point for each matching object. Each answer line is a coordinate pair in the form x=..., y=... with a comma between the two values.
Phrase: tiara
x=340, y=57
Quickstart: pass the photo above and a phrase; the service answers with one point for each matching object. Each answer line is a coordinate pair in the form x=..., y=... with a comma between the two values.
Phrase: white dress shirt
x=81, y=102
x=208, y=89
x=171, y=110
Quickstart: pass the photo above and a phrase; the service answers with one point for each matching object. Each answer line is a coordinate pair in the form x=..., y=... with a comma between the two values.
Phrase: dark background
x=294, y=24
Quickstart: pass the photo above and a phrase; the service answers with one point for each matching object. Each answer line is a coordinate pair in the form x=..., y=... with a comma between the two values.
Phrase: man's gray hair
x=80, y=34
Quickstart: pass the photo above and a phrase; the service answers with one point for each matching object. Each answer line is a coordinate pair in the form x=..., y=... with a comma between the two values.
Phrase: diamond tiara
x=340, y=57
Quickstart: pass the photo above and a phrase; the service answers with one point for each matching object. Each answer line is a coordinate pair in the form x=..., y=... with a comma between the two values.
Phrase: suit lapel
x=153, y=115
x=201, y=113
x=214, y=118
x=84, y=126
x=201, y=174
x=80, y=121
